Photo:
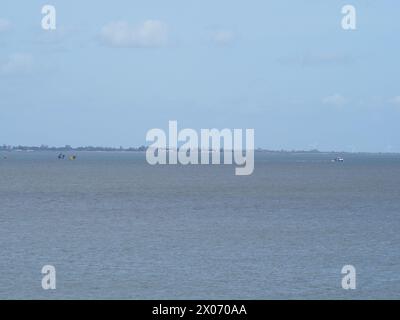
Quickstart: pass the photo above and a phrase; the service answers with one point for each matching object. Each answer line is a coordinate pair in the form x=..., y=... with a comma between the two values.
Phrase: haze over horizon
x=112, y=71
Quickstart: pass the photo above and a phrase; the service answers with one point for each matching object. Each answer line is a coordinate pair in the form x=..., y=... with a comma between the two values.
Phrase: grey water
x=115, y=227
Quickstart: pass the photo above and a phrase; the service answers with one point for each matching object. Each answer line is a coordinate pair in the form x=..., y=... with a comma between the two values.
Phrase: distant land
x=68, y=148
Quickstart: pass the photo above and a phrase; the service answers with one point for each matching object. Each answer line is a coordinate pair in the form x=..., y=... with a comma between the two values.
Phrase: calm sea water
x=115, y=227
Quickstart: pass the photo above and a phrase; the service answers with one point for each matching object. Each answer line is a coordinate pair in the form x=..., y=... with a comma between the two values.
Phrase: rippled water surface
x=116, y=227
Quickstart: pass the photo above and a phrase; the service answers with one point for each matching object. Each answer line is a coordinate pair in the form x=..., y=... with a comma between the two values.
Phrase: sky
x=113, y=70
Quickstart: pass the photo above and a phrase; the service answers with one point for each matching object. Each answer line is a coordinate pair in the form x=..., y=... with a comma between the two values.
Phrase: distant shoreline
x=7, y=148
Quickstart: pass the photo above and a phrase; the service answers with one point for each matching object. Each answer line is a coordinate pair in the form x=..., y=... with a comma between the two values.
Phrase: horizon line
x=142, y=148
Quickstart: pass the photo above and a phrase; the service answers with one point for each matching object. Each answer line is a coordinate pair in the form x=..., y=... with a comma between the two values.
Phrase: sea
x=115, y=227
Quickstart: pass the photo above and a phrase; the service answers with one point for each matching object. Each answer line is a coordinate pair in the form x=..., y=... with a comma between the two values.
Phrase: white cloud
x=151, y=33
x=395, y=100
x=4, y=25
x=335, y=100
x=223, y=37
x=17, y=63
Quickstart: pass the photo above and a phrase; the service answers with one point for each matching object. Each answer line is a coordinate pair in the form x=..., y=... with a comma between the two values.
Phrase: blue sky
x=112, y=71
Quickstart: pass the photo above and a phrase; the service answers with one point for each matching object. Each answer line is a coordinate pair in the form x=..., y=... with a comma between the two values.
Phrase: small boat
x=72, y=157
x=338, y=159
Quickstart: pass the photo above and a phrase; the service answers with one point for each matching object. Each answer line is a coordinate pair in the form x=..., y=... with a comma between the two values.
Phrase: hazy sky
x=110, y=72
